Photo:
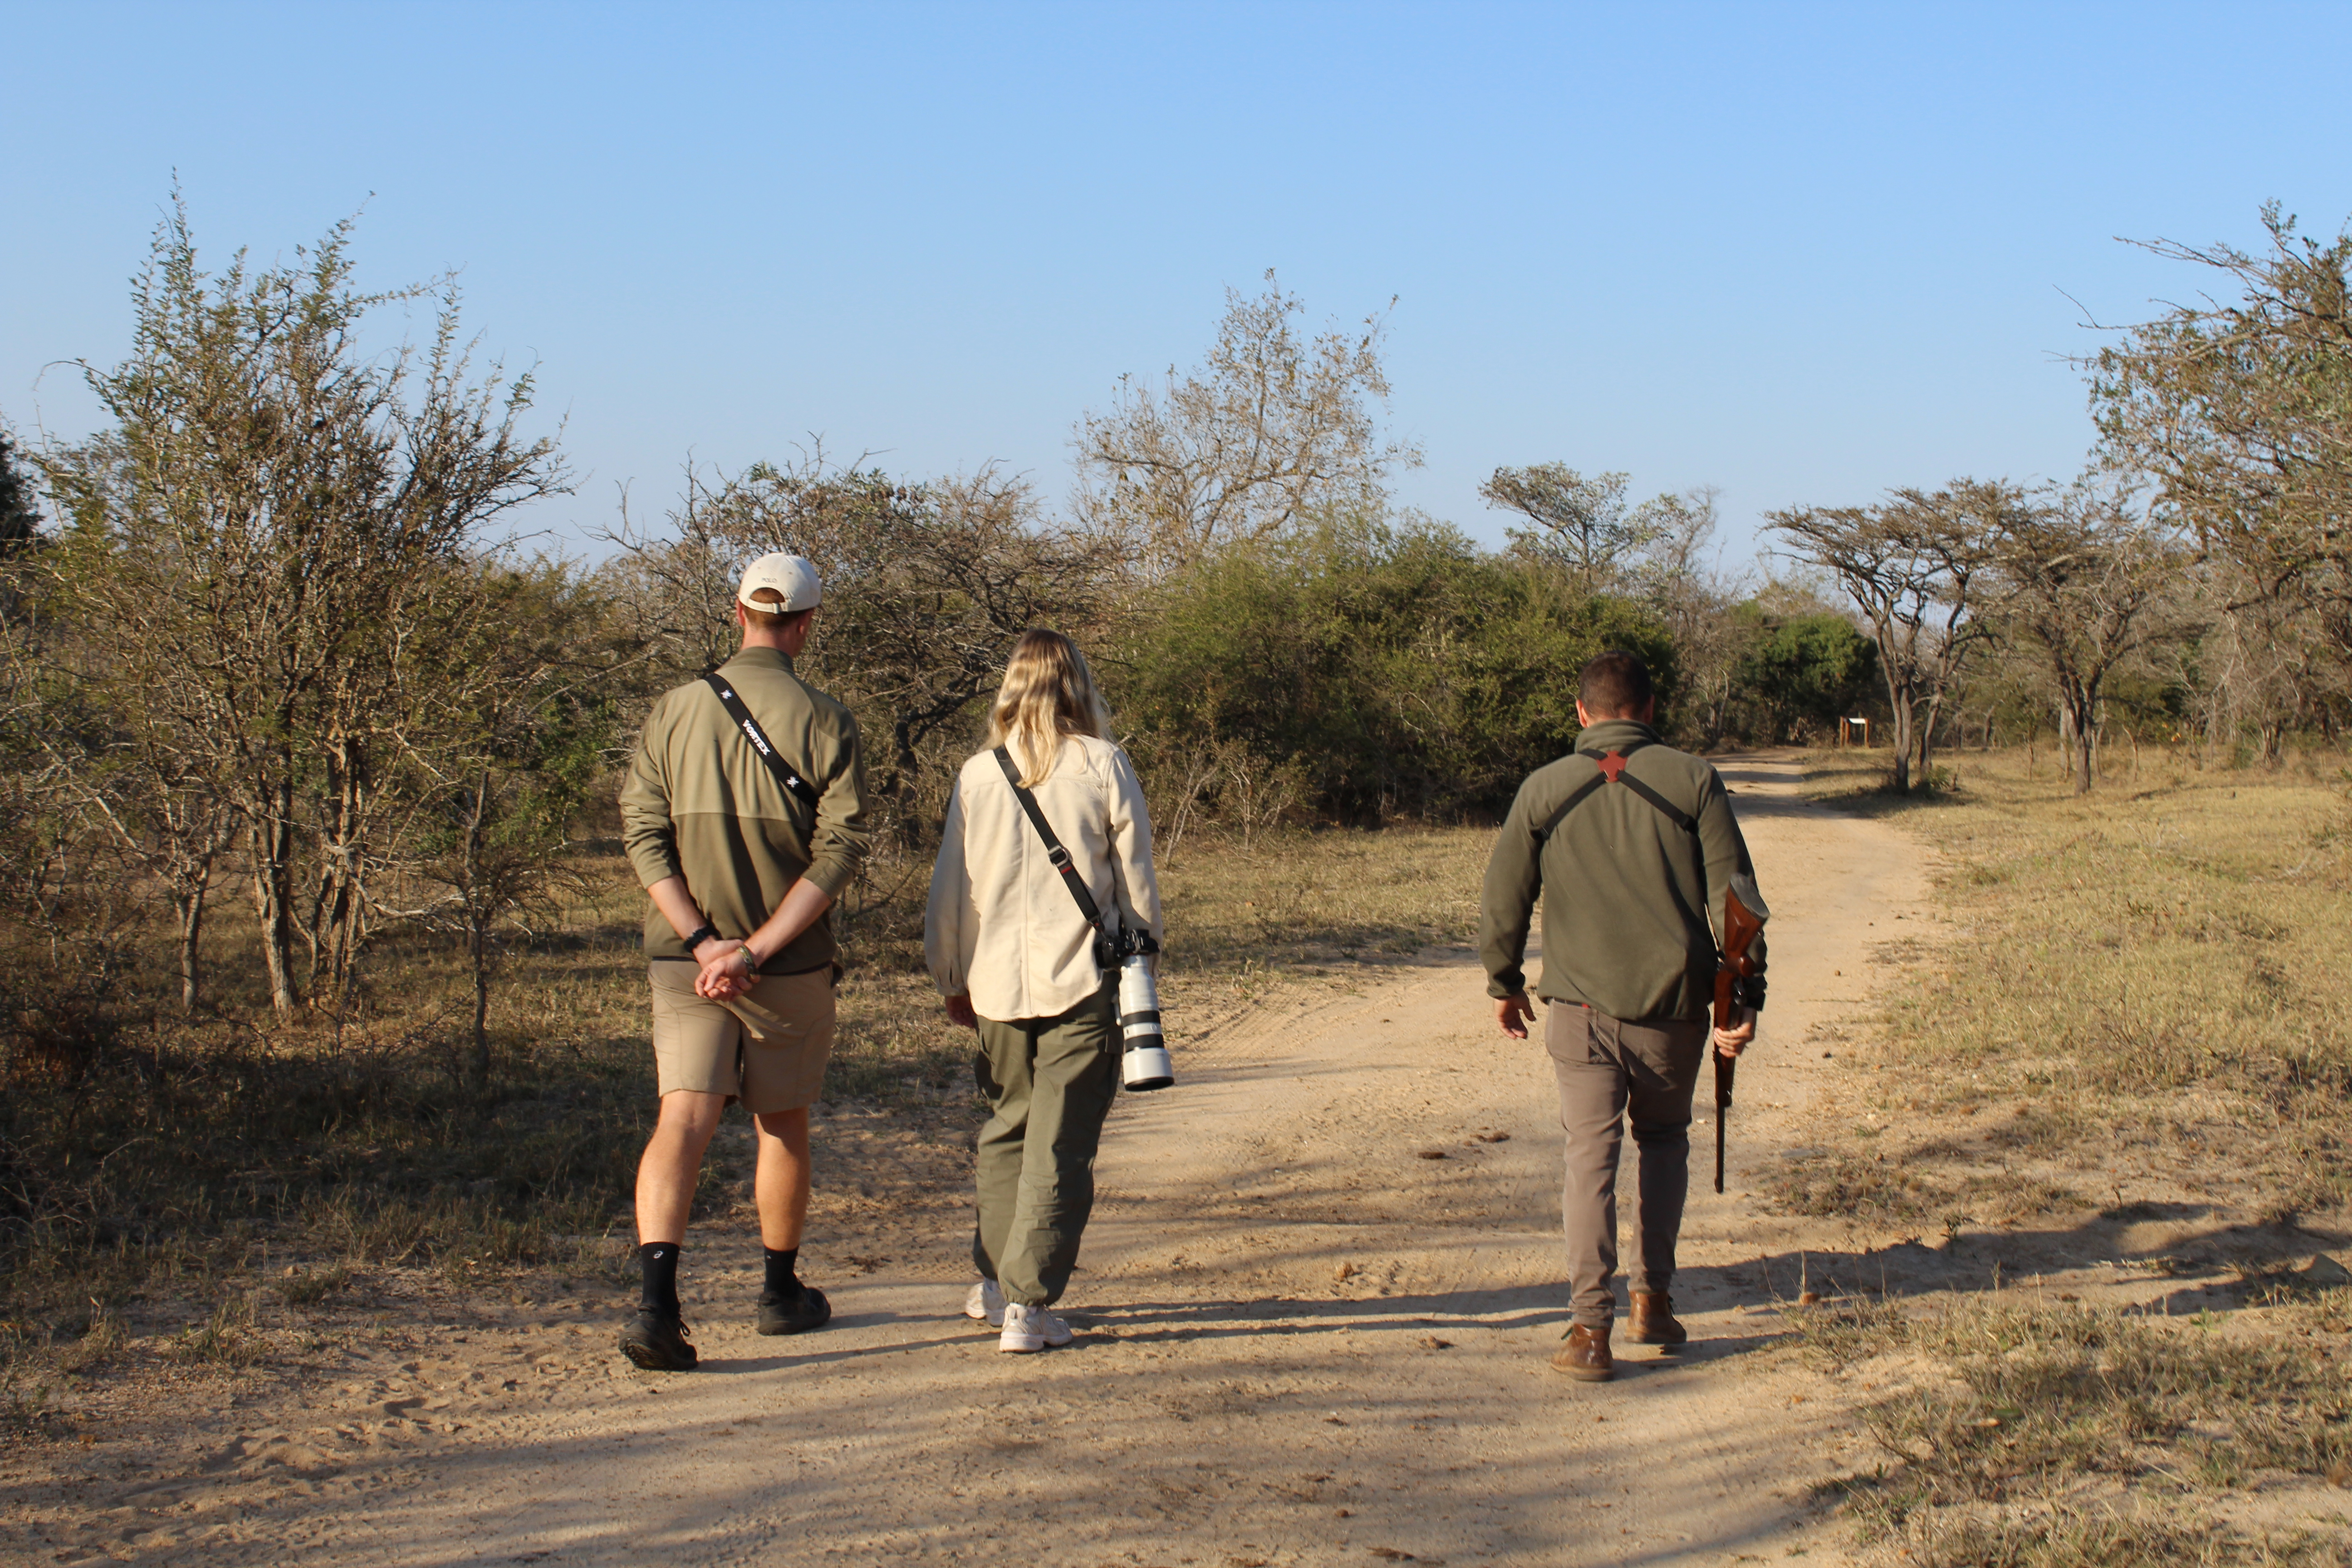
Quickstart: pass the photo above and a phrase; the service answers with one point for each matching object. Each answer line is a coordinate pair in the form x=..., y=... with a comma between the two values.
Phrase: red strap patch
x=1611, y=765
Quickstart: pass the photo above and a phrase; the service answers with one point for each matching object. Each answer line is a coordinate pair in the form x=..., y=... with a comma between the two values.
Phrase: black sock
x=783, y=1280
x=659, y=1262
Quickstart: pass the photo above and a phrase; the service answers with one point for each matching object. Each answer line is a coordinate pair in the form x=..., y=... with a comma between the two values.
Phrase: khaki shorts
x=767, y=1048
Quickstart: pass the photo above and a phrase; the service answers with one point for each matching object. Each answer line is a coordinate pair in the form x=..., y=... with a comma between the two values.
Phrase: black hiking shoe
x=657, y=1341
x=794, y=1314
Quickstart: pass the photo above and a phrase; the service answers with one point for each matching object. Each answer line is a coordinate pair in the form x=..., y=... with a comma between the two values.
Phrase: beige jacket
x=1002, y=924
x=700, y=804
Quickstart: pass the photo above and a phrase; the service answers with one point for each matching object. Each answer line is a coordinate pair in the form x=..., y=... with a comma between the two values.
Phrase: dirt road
x=1316, y=1306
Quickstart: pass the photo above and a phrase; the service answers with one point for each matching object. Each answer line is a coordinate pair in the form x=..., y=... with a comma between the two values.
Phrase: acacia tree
x=257, y=544
x=2089, y=583
x=2240, y=409
x=1586, y=524
x=505, y=753
x=926, y=626
x=151, y=793
x=1676, y=573
x=2260, y=666
x=926, y=588
x=1912, y=565
x=1270, y=429
x=19, y=517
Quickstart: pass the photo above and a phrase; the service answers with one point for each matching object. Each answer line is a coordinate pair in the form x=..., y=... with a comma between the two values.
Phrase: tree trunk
x=1899, y=727
x=904, y=766
x=272, y=839
x=1899, y=691
x=480, y=912
x=2078, y=732
x=481, y=944
x=341, y=911
x=1927, y=742
x=188, y=904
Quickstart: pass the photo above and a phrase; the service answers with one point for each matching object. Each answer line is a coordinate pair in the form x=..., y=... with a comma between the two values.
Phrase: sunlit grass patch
x=185, y=1177
x=1297, y=899
x=2026, y=1431
x=2135, y=974
x=2144, y=1008
x=1825, y=1183
x=2059, y=1536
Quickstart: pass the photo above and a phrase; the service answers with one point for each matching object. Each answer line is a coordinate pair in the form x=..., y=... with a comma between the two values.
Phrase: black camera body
x=1113, y=949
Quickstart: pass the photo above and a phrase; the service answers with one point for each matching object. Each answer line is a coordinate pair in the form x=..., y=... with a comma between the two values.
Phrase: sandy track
x=1303, y=1341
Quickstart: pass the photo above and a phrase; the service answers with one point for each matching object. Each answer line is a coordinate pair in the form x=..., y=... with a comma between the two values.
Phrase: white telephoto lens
x=1144, y=1064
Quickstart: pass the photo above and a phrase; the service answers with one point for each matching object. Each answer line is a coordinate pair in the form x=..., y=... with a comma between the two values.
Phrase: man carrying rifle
x=1636, y=852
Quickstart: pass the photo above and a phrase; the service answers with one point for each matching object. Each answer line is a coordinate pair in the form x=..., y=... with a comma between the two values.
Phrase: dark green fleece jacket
x=1631, y=899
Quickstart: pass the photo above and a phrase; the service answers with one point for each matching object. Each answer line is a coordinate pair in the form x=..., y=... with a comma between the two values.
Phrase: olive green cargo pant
x=1050, y=1082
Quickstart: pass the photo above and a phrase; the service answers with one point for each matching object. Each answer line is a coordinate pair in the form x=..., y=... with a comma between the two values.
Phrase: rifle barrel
x=1725, y=1066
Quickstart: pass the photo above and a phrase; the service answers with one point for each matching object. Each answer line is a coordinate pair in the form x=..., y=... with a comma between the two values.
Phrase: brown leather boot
x=1585, y=1355
x=1654, y=1320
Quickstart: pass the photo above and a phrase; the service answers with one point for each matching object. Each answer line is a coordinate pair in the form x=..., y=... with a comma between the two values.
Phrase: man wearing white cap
x=744, y=814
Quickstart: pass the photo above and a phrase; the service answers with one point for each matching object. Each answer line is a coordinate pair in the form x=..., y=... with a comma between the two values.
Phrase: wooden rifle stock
x=1740, y=929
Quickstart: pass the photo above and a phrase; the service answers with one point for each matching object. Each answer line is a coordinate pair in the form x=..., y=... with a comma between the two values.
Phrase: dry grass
x=2142, y=1011
x=1301, y=900
x=2060, y=1537
x=2033, y=1432
x=176, y=1183
x=2151, y=986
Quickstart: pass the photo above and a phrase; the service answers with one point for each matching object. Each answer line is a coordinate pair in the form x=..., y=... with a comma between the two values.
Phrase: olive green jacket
x=700, y=804
x=1631, y=899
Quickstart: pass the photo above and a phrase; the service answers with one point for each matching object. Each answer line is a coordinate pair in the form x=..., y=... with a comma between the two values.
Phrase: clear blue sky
x=1800, y=252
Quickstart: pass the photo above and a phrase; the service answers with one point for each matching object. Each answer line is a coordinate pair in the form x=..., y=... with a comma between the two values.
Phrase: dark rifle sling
x=1604, y=774
x=795, y=786
x=1724, y=1066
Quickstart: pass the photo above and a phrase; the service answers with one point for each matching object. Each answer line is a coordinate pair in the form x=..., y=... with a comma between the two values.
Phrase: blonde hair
x=1048, y=693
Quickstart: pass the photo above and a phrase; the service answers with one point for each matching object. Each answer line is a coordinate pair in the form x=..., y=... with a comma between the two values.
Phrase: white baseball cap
x=792, y=576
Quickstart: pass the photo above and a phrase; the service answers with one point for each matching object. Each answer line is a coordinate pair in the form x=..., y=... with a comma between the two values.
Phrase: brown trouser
x=1608, y=1068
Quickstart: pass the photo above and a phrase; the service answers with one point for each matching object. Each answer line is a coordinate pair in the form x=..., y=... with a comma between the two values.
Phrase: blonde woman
x=1016, y=959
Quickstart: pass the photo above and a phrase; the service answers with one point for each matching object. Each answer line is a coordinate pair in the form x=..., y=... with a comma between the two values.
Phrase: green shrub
x=1807, y=673
x=1400, y=668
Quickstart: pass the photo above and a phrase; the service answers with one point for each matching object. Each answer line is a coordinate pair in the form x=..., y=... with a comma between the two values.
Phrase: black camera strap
x=795, y=786
x=1058, y=856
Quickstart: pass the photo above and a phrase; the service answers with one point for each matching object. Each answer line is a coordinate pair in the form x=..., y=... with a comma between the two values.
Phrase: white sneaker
x=986, y=1304
x=1031, y=1328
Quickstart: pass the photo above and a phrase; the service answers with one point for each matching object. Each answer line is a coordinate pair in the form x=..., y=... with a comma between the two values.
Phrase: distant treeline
x=263, y=639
